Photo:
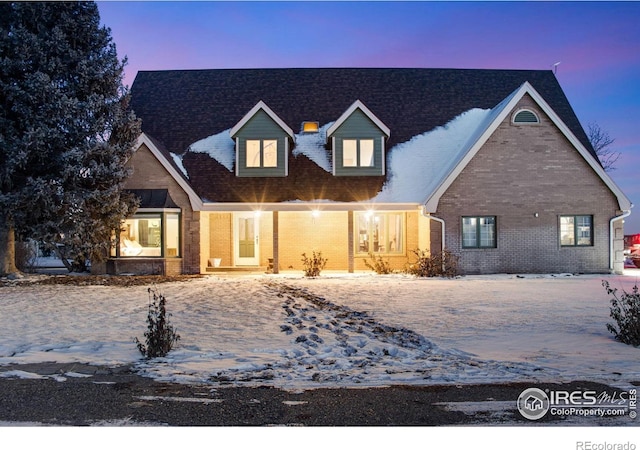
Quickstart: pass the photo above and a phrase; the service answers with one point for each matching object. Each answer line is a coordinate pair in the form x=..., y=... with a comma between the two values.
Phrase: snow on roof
x=417, y=166
x=219, y=146
x=312, y=146
x=178, y=160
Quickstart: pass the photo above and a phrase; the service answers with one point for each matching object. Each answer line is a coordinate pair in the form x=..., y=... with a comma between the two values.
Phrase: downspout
x=624, y=214
x=437, y=219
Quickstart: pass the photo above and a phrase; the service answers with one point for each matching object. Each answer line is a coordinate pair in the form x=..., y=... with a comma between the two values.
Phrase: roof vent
x=525, y=116
x=310, y=127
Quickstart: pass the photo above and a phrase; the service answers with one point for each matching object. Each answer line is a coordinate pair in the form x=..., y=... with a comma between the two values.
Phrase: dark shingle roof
x=180, y=107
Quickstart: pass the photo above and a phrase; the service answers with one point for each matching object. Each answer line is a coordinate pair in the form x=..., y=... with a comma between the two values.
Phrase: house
x=251, y=168
x=533, y=403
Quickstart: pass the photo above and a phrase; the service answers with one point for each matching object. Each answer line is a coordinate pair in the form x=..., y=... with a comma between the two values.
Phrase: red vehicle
x=632, y=251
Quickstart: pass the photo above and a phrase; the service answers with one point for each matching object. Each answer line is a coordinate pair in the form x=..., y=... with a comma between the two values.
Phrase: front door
x=246, y=239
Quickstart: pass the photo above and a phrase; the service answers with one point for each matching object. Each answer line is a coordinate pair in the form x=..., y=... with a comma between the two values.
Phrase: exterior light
x=310, y=127
x=315, y=213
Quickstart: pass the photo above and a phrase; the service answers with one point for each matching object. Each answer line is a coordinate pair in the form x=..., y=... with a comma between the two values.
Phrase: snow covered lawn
x=337, y=330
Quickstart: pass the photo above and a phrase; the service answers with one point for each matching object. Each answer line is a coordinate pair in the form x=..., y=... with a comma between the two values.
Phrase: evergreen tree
x=65, y=131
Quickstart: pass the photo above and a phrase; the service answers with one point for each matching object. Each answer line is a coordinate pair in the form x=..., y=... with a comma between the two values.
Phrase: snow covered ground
x=337, y=330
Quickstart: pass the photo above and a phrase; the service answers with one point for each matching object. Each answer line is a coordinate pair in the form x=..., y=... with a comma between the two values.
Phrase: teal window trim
x=479, y=232
x=576, y=230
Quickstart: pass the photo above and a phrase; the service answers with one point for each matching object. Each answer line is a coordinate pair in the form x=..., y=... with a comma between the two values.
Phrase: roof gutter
x=624, y=214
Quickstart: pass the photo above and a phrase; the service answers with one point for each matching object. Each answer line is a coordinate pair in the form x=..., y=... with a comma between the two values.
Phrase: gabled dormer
x=262, y=143
x=357, y=140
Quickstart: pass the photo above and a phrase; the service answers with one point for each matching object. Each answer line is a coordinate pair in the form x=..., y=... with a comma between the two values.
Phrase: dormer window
x=262, y=144
x=358, y=140
x=525, y=116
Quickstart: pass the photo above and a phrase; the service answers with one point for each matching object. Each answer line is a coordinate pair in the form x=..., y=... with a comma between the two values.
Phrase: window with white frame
x=576, y=231
x=357, y=153
x=479, y=232
x=379, y=232
x=262, y=152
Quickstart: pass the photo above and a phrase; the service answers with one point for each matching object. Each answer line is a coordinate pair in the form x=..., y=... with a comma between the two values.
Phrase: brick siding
x=523, y=170
x=150, y=174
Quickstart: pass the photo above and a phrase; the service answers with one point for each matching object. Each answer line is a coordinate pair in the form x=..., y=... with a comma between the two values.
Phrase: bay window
x=149, y=234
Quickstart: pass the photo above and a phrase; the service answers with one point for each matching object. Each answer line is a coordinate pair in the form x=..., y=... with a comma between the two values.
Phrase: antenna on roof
x=555, y=67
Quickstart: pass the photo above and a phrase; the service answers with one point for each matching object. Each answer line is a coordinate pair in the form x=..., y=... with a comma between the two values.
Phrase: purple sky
x=597, y=43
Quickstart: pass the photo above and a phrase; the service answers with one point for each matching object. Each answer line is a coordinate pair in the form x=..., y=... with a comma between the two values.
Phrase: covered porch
x=273, y=238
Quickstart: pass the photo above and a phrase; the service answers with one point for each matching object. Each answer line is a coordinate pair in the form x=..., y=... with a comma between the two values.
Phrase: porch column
x=275, y=242
x=350, y=240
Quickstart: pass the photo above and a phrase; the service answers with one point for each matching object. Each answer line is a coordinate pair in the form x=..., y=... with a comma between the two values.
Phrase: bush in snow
x=626, y=312
x=313, y=266
x=378, y=265
x=442, y=264
x=160, y=336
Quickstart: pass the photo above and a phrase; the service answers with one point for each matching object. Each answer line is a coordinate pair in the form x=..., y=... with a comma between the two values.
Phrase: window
x=576, y=231
x=525, y=116
x=150, y=234
x=357, y=153
x=479, y=232
x=379, y=232
x=262, y=153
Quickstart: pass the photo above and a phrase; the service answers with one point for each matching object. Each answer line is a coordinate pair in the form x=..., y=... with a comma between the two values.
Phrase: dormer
x=262, y=143
x=358, y=142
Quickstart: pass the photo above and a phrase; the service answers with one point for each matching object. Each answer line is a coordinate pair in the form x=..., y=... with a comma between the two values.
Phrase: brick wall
x=300, y=232
x=145, y=266
x=523, y=170
x=220, y=238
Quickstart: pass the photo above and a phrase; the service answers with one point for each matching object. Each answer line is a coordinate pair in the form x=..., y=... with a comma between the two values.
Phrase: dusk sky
x=596, y=43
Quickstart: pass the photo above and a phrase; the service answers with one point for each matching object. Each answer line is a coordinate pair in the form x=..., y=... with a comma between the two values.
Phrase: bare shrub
x=378, y=264
x=441, y=264
x=313, y=265
x=625, y=310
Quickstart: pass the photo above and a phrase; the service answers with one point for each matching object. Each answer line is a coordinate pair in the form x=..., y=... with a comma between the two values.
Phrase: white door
x=245, y=241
